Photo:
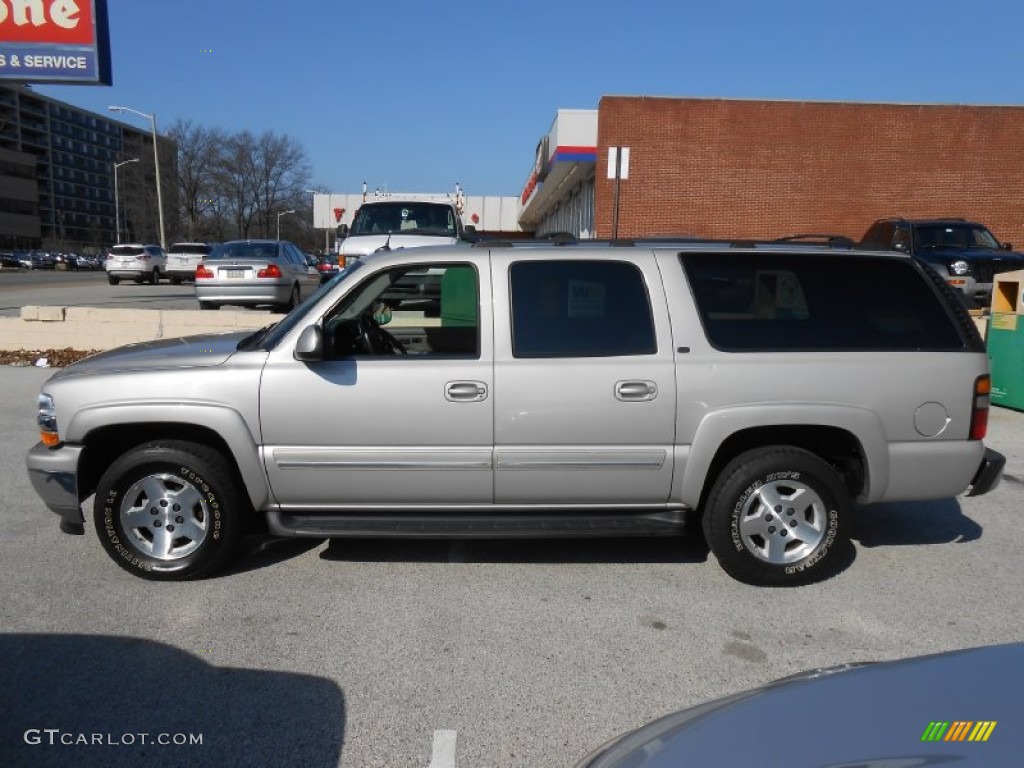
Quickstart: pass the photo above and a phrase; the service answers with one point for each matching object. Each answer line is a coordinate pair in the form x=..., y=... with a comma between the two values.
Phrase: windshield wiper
x=253, y=339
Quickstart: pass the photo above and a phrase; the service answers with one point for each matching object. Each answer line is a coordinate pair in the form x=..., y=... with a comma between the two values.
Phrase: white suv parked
x=183, y=258
x=136, y=262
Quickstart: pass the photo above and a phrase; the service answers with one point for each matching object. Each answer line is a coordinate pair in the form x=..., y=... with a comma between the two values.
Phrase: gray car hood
x=188, y=352
x=871, y=715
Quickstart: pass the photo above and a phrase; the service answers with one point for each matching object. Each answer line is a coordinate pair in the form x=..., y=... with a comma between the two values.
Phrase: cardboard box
x=1008, y=293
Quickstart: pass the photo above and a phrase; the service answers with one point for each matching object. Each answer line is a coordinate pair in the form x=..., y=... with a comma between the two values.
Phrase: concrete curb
x=91, y=328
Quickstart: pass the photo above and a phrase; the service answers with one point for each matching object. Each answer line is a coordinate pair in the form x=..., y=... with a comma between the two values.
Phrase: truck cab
x=392, y=224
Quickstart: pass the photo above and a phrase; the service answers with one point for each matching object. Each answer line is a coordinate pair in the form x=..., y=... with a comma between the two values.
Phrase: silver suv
x=137, y=262
x=574, y=390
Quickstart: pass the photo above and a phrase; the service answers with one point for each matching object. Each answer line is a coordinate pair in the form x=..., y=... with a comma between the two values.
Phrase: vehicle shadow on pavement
x=257, y=552
x=86, y=700
x=912, y=522
x=689, y=548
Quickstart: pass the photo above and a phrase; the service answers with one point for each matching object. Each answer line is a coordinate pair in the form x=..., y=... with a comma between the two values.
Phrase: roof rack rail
x=816, y=237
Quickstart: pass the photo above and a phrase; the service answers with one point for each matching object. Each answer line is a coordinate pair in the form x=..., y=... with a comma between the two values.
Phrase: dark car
x=965, y=253
x=9, y=261
x=950, y=708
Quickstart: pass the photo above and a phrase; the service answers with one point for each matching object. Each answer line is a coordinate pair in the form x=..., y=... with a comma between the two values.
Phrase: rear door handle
x=465, y=391
x=636, y=391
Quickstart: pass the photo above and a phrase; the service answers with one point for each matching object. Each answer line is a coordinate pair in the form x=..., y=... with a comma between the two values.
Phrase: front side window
x=580, y=309
x=754, y=302
x=414, y=311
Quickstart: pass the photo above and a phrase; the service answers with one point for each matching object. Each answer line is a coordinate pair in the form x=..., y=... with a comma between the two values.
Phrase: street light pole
x=156, y=163
x=117, y=208
x=282, y=213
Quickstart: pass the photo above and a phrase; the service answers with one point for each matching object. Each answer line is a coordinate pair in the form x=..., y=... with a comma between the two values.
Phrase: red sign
x=64, y=22
x=338, y=213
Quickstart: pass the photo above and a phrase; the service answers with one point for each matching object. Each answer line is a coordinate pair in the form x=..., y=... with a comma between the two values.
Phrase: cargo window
x=580, y=309
x=818, y=302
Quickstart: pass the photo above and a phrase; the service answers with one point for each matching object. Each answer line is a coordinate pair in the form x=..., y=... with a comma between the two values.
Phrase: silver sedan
x=254, y=273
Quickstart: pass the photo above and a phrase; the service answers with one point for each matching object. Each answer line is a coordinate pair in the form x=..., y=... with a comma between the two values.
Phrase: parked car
x=965, y=253
x=327, y=265
x=862, y=714
x=42, y=260
x=183, y=258
x=9, y=261
x=66, y=261
x=253, y=273
x=553, y=391
x=90, y=261
x=137, y=262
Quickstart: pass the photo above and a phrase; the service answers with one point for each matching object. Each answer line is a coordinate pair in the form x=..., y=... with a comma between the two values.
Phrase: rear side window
x=580, y=309
x=817, y=302
x=191, y=248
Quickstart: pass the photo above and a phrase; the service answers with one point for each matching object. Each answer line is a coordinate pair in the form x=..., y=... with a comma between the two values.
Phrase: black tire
x=165, y=485
x=175, y=280
x=775, y=515
x=113, y=280
x=154, y=276
x=293, y=301
x=208, y=305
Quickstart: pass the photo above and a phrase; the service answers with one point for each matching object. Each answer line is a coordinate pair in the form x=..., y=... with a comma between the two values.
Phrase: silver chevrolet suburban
x=523, y=390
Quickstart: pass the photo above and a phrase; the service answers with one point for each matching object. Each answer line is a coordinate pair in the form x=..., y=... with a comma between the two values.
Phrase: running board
x=479, y=526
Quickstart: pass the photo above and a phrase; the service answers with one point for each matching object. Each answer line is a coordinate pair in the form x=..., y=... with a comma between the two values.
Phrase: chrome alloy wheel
x=782, y=522
x=165, y=517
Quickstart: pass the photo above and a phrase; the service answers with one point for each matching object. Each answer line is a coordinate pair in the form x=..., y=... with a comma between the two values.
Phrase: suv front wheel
x=169, y=510
x=775, y=515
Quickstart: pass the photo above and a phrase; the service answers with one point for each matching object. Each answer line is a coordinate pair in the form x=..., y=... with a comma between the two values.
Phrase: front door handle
x=635, y=391
x=465, y=391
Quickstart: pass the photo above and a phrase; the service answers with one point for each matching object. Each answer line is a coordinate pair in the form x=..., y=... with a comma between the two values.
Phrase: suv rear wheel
x=169, y=510
x=774, y=515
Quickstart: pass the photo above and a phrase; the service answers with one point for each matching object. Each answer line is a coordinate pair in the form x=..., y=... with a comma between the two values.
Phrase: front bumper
x=989, y=473
x=54, y=475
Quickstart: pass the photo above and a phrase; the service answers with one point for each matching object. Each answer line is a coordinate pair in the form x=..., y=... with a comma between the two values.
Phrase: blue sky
x=415, y=96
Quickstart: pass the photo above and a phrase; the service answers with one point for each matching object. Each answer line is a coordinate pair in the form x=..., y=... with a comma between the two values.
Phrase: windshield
x=405, y=219
x=268, y=337
x=954, y=236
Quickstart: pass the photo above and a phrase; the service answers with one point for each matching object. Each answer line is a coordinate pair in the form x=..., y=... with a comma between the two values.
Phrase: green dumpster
x=1005, y=340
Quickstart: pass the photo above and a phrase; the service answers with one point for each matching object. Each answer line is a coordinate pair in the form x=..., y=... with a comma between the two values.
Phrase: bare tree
x=199, y=148
x=281, y=177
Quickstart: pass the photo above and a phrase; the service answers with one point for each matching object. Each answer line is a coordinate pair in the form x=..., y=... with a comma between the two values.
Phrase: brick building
x=763, y=169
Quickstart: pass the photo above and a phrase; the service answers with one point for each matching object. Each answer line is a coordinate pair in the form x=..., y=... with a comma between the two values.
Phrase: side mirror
x=1007, y=246
x=310, y=346
x=342, y=230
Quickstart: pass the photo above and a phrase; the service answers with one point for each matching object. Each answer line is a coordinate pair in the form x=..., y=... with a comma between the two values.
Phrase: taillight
x=979, y=411
x=271, y=271
x=203, y=272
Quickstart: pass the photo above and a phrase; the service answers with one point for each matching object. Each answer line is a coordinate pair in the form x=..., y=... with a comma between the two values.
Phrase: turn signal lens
x=979, y=413
x=46, y=418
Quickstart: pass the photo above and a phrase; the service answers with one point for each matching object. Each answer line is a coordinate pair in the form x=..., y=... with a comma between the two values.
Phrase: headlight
x=46, y=417
x=960, y=268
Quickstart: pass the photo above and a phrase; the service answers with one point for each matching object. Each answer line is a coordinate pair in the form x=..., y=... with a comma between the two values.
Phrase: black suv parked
x=965, y=253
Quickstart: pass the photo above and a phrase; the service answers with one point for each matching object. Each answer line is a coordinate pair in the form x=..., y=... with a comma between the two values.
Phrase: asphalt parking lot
x=439, y=654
